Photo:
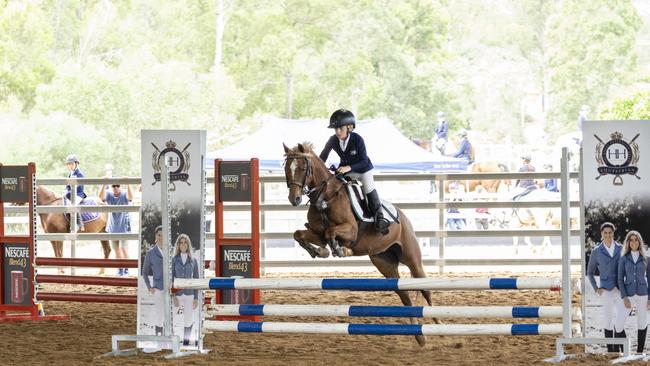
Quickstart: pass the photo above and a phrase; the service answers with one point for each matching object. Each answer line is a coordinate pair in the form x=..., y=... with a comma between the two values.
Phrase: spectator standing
x=118, y=222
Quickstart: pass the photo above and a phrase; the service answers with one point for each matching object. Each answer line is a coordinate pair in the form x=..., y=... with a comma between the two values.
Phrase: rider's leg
x=80, y=223
x=374, y=204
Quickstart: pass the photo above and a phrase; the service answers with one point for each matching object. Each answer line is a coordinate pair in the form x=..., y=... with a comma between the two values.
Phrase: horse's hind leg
x=107, y=252
x=388, y=264
x=57, y=246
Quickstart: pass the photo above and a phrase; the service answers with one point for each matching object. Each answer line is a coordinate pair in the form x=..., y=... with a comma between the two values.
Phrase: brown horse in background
x=490, y=185
x=332, y=222
x=57, y=222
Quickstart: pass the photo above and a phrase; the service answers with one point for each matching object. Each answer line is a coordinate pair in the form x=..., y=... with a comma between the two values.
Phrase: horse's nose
x=295, y=201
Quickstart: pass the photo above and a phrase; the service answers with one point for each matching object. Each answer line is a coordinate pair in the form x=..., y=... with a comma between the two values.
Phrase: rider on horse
x=465, y=149
x=351, y=150
x=73, y=166
x=440, y=137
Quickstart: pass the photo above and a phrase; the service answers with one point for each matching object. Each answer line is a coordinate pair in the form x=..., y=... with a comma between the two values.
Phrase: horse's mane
x=302, y=149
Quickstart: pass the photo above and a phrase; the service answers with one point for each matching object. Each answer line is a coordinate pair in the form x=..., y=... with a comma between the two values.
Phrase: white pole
x=166, y=246
x=566, y=246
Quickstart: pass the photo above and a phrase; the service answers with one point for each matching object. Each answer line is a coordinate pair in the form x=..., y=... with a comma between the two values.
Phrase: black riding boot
x=187, y=336
x=159, y=331
x=610, y=334
x=374, y=204
x=641, y=333
x=621, y=334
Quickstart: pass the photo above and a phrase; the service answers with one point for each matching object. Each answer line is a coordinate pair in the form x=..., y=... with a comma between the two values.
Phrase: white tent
x=388, y=149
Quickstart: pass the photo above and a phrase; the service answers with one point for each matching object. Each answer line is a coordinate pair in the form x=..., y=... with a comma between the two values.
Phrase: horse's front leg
x=106, y=247
x=306, y=237
x=346, y=233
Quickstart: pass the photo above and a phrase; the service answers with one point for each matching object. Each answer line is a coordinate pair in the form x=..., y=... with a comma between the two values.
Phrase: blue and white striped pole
x=385, y=329
x=390, y=311
x=369, y=284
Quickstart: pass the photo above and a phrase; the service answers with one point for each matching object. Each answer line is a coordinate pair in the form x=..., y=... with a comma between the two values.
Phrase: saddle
x=359, y=205
x=85, y=216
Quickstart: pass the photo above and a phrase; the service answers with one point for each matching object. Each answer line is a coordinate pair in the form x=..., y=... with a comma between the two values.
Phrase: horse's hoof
x=323, y=253
x=347, y=252
x=340, y=252
x=422, y=340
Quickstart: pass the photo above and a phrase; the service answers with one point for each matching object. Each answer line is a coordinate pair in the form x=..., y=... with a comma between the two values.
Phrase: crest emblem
x=180, y=163
x=617, y=157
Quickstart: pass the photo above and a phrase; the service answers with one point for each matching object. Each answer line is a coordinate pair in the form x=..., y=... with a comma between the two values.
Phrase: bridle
x=317, y=194
x=301, y=185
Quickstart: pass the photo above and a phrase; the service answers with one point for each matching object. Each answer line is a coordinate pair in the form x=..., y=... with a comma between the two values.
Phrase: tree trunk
x=289, y=113
x=220, y=24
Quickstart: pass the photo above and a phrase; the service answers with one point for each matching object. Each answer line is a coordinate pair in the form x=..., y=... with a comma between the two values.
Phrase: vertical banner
x=186, y=151
x=16, y=274
x=615, y=174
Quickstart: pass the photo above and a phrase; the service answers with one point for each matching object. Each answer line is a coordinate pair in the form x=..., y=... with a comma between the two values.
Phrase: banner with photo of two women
x=615, y=172
x=185, y=150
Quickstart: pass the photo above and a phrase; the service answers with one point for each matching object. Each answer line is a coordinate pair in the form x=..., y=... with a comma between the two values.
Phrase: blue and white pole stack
x=384, y=329
x=369, y=284
x=390, y=311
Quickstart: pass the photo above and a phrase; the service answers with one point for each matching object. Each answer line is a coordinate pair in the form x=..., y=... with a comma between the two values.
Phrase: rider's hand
x=343, y=169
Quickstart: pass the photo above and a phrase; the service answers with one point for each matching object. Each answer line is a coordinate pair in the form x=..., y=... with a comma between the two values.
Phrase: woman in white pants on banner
x=185, y=266
x=605, y=258
x=633, y=279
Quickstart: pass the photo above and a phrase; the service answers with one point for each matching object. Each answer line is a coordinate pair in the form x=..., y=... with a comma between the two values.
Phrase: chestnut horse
x=490, y=185
x=57, y=222
x=336, y=224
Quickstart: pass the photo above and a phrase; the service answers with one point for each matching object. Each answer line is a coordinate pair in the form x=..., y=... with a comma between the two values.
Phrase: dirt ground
x=88, y=334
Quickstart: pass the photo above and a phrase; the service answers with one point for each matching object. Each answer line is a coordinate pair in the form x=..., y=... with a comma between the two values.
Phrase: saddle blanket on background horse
x=361, y=211
x=85, y=216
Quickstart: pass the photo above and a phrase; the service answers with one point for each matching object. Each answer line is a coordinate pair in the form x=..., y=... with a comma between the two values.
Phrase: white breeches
x=641, y=304
x=366, y=179
x=187, y=302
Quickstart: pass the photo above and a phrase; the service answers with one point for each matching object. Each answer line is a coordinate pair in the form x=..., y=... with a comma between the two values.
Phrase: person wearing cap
x=72, y=162
x=526, y=167
x=440, y=132
x=354, y=161
x=118, y=222
x=465, y=148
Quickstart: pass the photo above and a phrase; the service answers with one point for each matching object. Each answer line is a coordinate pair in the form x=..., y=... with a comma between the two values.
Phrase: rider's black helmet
x=72, y=158
x=342, y=117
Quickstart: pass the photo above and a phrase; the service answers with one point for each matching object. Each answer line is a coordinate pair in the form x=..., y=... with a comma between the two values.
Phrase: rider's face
x=71, y=165
x=341, y=132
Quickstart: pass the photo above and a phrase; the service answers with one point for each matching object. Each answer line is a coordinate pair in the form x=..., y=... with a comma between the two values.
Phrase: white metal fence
x=279, y=219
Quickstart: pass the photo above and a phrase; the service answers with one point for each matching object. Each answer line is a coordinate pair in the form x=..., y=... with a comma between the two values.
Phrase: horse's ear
x=302, y=148
x=286, y=149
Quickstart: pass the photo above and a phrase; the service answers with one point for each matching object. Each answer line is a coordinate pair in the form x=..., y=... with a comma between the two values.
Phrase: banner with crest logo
x=615, y=173
x=185, y=150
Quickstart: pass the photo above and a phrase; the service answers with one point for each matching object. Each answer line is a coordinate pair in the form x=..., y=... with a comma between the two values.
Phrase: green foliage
x=635, y=107
x=25, y=40
x=590, y=52
x=112, y=68
x=139, y=94
x=47, y=140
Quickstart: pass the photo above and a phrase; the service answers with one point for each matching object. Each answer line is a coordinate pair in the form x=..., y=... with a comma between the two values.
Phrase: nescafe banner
x=235, y=181
x=13, y=184
x=15, y=264
x=236, y=261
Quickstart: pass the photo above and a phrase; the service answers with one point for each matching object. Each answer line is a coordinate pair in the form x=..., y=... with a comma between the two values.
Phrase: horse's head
x=45, y=197
x=299, y=170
